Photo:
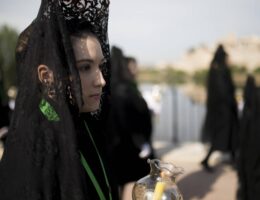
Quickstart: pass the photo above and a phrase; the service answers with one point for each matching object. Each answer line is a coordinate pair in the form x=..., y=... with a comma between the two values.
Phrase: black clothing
x=91, y=150
x=4, y=116
x=249, y=149
x=5, y=111
x=129, y=124
x=42, y=165
x=221, y=123
x=132, y=122
x=34, y=165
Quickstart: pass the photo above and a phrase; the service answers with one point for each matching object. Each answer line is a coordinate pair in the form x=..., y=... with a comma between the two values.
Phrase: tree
x=200, y=77
x=8, y=40
x=174, y=76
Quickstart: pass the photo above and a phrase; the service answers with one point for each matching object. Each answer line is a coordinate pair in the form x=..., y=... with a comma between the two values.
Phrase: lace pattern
x=93, y=11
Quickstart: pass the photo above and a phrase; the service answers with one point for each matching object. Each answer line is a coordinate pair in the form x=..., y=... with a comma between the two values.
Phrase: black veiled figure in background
x=129, y=123
x=55, y=148
x=249, y=148
x=221, y=123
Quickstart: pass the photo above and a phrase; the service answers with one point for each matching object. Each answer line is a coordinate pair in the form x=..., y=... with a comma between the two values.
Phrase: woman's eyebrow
x=103, y=60
x=85, y=60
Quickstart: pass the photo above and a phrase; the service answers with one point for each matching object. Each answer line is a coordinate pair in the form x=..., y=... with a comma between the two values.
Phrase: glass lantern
x=160, y=184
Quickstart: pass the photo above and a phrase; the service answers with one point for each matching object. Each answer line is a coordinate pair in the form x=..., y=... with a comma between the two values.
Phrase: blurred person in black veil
x=249, y=148
x=55, y=147
x=129, y=124
x=221, y=123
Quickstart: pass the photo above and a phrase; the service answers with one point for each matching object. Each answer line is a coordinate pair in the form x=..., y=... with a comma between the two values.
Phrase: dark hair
x=81, y=29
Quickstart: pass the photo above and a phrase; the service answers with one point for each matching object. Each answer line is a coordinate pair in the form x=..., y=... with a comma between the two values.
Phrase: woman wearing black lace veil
x=54, y=148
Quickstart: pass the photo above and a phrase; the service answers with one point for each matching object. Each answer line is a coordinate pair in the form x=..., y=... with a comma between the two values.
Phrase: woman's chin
x=89, y=109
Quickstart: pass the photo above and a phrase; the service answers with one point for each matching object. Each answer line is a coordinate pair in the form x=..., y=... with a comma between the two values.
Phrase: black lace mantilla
x=77, y=12
x=79, y=9
x=84, y=9
x=93, y=11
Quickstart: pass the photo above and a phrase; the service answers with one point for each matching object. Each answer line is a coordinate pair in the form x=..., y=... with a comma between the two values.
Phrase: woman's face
x=132, y=66
x=89, y=61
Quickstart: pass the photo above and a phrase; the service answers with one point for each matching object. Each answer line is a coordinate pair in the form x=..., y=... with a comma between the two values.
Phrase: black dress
x=94, y=158
x=249, y=156
x=221, y=123
x=129, y=125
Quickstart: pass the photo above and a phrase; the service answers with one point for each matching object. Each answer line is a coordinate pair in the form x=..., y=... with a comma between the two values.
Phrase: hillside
x=242, y=52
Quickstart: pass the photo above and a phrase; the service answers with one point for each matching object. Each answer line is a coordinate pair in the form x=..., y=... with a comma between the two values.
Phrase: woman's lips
x=95, y=96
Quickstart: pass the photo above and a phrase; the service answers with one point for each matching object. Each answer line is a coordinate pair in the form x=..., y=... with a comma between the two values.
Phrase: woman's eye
x=84, y=68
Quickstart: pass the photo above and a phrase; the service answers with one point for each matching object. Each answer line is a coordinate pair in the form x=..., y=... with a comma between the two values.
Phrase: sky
x=156, y=31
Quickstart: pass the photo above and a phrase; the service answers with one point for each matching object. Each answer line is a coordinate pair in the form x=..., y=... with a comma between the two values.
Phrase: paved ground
x=196, y=183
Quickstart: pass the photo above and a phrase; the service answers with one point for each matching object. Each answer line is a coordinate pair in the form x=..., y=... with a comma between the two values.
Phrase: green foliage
x=8, y=40
x=199, y=77
x=149, y=75
x=257, y=70
x=238, y=69
x=173, y=76
x=166, y=75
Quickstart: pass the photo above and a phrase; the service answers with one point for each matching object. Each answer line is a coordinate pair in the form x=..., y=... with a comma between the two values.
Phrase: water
x=176, y=117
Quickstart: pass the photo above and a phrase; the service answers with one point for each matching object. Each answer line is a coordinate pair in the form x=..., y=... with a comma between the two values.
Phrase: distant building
x=243, y=51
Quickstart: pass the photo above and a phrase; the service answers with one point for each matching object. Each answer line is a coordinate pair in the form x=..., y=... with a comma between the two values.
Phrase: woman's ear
x=45, y=75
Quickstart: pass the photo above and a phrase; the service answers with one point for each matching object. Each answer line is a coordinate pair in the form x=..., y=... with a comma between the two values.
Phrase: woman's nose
x=100, y=81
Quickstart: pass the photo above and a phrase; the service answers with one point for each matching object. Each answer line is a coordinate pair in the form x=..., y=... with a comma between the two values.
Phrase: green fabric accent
x=92, y=177
x=89, y=171
x=99, y=157
x=48, y=111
